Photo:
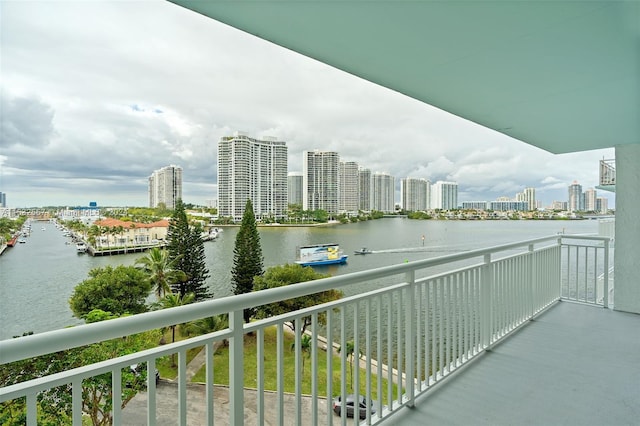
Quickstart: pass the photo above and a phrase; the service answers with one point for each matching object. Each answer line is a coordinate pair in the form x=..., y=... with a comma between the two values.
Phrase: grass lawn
x=221, y=368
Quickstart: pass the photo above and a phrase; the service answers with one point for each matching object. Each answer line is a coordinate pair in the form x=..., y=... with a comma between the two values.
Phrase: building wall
x=414, y=194
x=294, y=188
x=627, y=255
x=576, y=198
x=165, y=186
x=252, y=169
x=383, y=192
x=444, y=195
x=349, y=194
x=364, y=189
x=320, y=181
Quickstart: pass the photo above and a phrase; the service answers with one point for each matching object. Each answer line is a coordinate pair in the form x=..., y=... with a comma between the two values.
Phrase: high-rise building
x=444, y=195
x=364, y=189
x=602, y=205
x=294, y=188
x=349, y=195
x=3, y=199
x=165, y=186
x=590, y=196
x=576, y=198
x=530, y=198
x=320, y=181
x=474, y=205
x=383, y=192
x=252, y=169
x=414, y=194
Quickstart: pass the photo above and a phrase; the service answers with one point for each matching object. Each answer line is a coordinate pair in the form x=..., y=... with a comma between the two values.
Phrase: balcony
x=607, y=175
x=442, y=329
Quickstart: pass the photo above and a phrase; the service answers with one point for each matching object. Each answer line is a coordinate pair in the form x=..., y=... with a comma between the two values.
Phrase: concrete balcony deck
x=572, y=365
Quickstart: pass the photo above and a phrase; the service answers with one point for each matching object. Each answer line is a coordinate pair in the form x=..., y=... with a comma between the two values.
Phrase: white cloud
x=100, y=94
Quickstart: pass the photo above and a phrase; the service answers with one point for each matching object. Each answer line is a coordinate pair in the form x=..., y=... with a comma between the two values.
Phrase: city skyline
x=97, y=95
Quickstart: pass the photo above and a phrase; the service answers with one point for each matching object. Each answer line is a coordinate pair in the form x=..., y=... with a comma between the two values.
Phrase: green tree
x=186, y=249
x=117, y=290
x=173, y=300
x=350, y=351
x=247, y=256
x=305, y=348
x=160, y=270
x=282, y=275
x=54, y=405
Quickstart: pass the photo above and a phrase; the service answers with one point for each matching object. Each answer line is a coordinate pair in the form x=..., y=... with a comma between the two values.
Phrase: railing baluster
x=409, y=327
x=209, y=352
x=236, y=368
x=182, y=387
x=280, y=373
x=76, y=395
x=32, y=409
x=116, y=392
x=314, y=369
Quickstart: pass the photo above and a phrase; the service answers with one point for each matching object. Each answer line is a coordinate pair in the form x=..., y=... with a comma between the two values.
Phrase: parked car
x=351, y=401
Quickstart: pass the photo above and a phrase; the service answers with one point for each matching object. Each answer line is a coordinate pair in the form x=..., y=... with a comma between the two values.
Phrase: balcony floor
x=573, y=365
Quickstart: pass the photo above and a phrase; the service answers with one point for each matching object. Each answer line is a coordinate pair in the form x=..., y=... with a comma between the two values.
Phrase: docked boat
x=320, y=254
x=81, y=247
x=363, y=250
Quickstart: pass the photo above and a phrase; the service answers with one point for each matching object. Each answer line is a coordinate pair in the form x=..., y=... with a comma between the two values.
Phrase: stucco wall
x=627, y=243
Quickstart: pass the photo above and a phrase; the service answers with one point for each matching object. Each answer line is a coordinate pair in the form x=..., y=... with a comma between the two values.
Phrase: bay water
x=38, y=277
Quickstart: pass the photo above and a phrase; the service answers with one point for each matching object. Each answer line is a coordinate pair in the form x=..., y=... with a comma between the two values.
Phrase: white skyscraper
x=348, y=187
x=165, y=186
x=590, y=196
x=364, y=189
x=252, y=169
x=294, y=188
x=444, y=195
x=414, y=194
x=383, y=192
x=320, y=181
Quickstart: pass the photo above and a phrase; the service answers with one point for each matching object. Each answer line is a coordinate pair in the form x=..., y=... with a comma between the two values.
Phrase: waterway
x=38, y=277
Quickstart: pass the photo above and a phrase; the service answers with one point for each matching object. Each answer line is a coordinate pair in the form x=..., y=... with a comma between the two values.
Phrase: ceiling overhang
x=560, y=75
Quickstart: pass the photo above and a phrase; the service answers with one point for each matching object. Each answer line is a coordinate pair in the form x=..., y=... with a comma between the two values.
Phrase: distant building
x=364, y=189
x=444, y=195
x=474, y=205
x=122, y=234
x=414, y=194
x=590, y=196
x=528, y=196
x=508, y=206
x=349, y=194
x=165, y=186
x=320, y=181
x=3, y=199
x=252, y=169
x=383, y=192
x=87, y=215
x=559, y=205
x=576, y=198
x=294, y=188
x=602, y=205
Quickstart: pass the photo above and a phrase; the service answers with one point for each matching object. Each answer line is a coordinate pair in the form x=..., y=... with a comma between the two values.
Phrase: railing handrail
x=53, y=341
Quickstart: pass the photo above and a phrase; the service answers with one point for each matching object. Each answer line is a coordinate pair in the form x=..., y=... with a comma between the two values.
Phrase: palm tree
x=350, y=350
x=305, y=348
x=161, y=270
x=173, y=300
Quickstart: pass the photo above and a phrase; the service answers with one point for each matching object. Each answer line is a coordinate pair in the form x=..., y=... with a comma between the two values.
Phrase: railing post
x=605, y=296
x=486, y=308
x=531, y=277
x=410, y=331
x=236, y=368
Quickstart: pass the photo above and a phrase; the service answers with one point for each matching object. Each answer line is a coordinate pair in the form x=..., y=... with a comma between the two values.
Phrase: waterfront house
x=562, y=76
x=119, y=233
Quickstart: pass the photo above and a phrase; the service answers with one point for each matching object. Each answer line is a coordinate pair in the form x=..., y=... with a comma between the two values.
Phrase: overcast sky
x=95, y=96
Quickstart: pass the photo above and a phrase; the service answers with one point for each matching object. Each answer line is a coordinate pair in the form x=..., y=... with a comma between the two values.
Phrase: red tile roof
x=110, y=222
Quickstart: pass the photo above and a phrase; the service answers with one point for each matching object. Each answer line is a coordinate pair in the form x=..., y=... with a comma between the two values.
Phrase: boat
x=12, y=241
x=320, y=254
x=363, y=250
x=81, y=247
x=22, y=241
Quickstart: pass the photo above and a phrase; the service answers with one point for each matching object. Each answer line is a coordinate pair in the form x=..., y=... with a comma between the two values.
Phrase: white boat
x=81, y=247
x=320, y=254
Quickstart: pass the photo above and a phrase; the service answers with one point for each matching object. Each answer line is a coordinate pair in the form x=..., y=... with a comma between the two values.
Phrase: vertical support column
x=605, y=284
x=410, y=334
x=236, y=368
x=627, y=256
x=486, y=308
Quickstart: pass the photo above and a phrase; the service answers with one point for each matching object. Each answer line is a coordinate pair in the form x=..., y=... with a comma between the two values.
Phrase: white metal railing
x=411, y=334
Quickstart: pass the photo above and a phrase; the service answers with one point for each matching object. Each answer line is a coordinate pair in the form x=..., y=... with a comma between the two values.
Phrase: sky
x=96, y=95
